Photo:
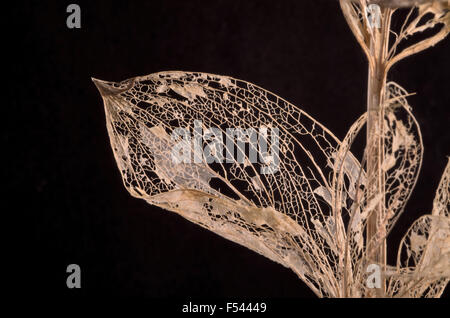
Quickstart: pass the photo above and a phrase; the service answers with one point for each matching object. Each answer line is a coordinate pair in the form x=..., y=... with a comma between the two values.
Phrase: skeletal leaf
x=279, y=214
x=423, y=261
x=441, y=203
x=403, y=152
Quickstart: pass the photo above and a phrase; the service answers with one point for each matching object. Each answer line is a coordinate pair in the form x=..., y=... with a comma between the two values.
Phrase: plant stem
x=376, y=228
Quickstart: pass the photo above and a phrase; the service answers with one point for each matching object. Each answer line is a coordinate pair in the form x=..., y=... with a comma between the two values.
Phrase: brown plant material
x=310, y=213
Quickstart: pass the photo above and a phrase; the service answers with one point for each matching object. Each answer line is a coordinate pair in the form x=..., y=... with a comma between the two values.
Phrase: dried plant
x=312, y=206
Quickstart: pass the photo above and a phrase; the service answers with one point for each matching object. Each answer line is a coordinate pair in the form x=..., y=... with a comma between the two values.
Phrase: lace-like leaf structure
x=423, y=260
x=299, y=201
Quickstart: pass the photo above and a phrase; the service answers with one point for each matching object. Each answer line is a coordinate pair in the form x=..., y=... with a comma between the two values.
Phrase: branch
x=418, y=47
x=355, y=25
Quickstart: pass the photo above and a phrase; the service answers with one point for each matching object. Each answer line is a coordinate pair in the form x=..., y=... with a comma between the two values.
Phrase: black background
x=69, y=195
